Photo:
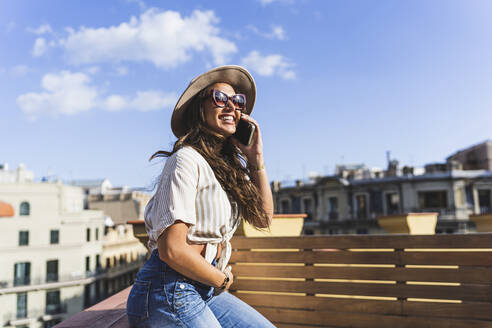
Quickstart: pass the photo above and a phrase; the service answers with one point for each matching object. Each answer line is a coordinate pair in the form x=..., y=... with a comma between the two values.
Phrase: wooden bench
x=381, y=281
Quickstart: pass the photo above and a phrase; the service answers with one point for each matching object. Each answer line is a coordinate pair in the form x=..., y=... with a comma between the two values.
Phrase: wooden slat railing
x=367, y=281
x=384, y=281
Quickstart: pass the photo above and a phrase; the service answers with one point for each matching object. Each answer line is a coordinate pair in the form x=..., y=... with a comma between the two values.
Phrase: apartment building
x=350, y=201
x=119, y=205
x=58, y=255
x=50, y=250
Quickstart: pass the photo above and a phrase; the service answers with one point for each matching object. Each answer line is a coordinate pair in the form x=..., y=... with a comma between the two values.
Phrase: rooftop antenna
x=388, y=157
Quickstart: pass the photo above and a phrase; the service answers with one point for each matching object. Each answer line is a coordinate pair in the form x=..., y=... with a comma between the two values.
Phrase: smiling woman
x=222, y=108
x=209, y=183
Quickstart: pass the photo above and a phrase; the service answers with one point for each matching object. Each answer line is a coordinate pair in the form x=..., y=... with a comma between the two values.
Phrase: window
x=362, y=231
x=296, y=205
x=392, y=203
x=333, y=208
x=108, y=263
x=88, y=234
x=21, y=305
x=24, y=209
x=484, y=201
x=87, y=263
x=23, y=238
x=308, y=207
x=53, y=305
x=51, y=270
x=433, y=199
x=285, y=204
x=98, y=261
x=97, y=233
x=54, y=236
x=361, y=206
x=87, y=296
x=22, y=273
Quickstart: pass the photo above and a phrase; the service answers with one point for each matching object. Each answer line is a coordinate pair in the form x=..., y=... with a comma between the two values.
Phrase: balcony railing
x=56, y=308
x=16, y=319
x=21, y=314
x=52, y=277
x=485, y=209
x=99, y=273
x=20, y=281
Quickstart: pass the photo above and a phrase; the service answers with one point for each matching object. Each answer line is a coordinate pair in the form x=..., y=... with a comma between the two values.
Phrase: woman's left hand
x=253, y=152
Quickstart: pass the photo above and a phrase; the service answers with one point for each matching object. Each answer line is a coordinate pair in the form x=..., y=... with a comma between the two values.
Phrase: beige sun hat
x=238, y=77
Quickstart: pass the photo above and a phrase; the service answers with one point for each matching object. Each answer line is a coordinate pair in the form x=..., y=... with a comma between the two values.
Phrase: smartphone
x=244, y=132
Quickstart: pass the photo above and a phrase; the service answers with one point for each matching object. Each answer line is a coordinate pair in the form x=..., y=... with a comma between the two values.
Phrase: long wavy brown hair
x=227, y=161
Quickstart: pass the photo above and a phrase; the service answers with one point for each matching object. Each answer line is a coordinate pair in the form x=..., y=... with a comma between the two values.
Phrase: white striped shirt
x=189, y=191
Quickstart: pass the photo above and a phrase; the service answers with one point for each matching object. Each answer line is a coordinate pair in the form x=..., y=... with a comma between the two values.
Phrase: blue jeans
x=162, y=297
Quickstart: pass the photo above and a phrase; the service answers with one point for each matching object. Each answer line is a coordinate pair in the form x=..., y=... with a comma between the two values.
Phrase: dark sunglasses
x=221, y=99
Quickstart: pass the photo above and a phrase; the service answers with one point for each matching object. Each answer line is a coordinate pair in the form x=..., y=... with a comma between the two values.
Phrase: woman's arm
x=254, y=155
x=260, y=179
x=175, y=251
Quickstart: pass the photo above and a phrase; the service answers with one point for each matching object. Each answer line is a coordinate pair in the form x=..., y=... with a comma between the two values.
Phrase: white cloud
x=70, y=93
x=19, y=70
x=115, y=103
x=42, y=29
x=64, y=93
x=164, y=38
x=152, y=100
x=144, y=101
x=93, y=70
x=40, y=47
x=269, y=65
x=268, y=2
x=277, y=32
x=121, y=70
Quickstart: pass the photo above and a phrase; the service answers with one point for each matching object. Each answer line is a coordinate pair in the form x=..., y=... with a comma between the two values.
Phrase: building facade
x=477, y=157
x=350, y=202
x=119, y=205
x=52, y=252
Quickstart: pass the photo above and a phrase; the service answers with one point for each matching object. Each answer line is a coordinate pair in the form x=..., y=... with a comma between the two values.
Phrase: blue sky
x=88, y=87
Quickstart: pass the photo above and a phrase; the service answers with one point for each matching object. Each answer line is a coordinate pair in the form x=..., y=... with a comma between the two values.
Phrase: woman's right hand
x=231, y=276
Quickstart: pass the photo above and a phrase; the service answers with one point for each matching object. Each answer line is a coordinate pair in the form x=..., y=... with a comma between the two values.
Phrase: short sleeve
x=176, y=193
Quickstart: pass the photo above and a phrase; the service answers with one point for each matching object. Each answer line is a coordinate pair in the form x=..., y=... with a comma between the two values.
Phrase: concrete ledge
x=411, y=223
x=283, y=225
x=483, y=222
x=109, y=313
